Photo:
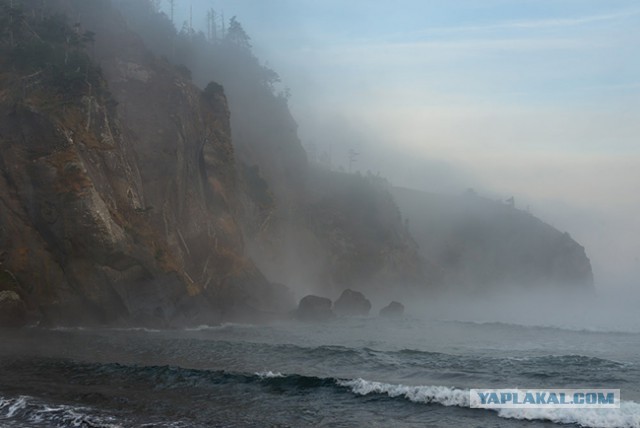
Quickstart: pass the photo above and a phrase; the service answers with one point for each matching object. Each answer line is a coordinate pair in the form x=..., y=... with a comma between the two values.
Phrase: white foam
x=62, y=328
x=222, y=326
x=16, y=405
x=627, y=416
x=144, y=329
x=38, y=412
x=269, y=374
x=417, y=394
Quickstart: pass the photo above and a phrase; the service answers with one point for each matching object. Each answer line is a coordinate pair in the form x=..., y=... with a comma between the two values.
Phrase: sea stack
x=392, y=310
x=352, y=303
x=314, y=308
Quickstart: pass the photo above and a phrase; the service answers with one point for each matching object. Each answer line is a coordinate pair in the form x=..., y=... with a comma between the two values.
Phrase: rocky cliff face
x=123, y=212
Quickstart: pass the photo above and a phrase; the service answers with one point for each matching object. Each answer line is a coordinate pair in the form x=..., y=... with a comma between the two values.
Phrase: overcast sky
x=534, y=98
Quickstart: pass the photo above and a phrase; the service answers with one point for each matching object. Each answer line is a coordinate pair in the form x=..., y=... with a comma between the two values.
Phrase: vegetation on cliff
x=47, y=53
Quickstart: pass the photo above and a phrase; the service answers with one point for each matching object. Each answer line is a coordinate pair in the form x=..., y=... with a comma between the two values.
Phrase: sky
x=536, y=99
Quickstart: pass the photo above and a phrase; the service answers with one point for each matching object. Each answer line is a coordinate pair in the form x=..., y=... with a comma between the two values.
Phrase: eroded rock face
x=392, y=310
x=120, y=205
x=314, y=308
x=13, y=312
x=352, y=303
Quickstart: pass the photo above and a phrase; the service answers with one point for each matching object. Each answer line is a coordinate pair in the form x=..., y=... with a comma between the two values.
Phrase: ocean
x=351, y=372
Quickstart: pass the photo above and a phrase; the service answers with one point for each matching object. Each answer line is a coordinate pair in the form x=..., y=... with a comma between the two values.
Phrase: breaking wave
x=627, y=416
x=33, y=411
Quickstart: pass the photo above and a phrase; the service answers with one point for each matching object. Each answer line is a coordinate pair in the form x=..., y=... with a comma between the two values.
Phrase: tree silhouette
x=236, y=35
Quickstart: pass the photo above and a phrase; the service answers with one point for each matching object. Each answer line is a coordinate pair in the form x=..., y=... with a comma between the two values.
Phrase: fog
x=536, y=100
x=319, y=213
x=532, y=101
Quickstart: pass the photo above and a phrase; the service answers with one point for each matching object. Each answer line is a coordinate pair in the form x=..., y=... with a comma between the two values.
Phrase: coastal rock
x=314, y=308
x=13, y=312
x=352, y=303
x=392, y=310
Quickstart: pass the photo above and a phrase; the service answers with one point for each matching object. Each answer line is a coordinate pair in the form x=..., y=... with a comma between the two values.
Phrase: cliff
x=118, y=187
x=481, y=245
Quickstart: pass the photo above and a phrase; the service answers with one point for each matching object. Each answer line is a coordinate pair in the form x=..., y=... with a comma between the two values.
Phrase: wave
x=144, y=329
x=98, y=329
x=576, y=360
x=382, y=359
x=627, y=416
x=408, y=357
x=495, y=324
x=223, y=326
x=203, y=327
x=25, y=409
x=555, y=359
x=417, y=394
x=269, y=374
x=173, y=377
x=170, y=377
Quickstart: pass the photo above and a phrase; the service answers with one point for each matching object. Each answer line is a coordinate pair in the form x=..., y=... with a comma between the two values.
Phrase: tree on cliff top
x=236, y=35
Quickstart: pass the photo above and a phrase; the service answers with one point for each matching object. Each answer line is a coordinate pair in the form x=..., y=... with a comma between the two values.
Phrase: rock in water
x=13, y=312
x=314, y=308
x=352, y=303
x=392, y=310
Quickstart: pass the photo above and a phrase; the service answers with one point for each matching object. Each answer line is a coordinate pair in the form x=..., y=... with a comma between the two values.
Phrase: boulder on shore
x=314, y=308
x=392, y=310
x=13, y=311
x=352, y=303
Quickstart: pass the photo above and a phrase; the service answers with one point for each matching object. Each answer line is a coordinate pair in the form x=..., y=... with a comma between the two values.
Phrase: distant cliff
x=478, y=244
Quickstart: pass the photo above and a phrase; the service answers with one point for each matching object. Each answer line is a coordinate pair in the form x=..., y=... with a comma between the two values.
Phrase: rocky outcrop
x=314, y=308
x=352, y=303
x=392, y=310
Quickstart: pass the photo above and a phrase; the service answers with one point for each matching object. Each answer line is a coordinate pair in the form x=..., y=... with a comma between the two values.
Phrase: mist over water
x=576, y=310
